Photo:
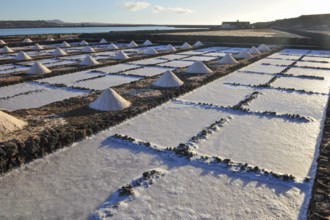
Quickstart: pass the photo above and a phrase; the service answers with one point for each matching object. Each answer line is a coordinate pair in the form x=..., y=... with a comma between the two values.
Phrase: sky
x=208, y=12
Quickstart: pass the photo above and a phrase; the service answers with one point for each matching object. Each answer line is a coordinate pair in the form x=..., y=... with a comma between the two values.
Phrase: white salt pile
x=89, y=61
x=9, y=124
x=109, y=100
x=198, y=67
x=168, y=79
x=38, y=68
x=228, y=59
x=22, y=56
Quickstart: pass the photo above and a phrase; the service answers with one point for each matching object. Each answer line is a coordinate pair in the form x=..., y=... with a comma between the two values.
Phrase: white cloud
x=135, y=6
x=181, y=10
x=158, y=9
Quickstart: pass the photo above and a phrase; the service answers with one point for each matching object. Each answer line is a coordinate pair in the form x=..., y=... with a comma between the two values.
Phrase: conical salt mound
x=50, y=39
x=6, y=49
x=198, y=67
x=109, y=100
x=147, y=43
x=150, y=51
x=9, y=124
x=89, y=61
x=87, y=49
x=2, y=42
x=37, y=47
x=112, y=47
x=228, y=59
x=198, y=44
x=263, y=48
x=132, y=44
x=120, y=55
x=170, y=48
x=22, y=56
x=168, y=79
x=59, y=52
x=186, y=46
x=254, y=51
x=27, y=40
x=244, y=54
x=65, y=45
x=83, y=43
x=103, y=41
x=38, y=68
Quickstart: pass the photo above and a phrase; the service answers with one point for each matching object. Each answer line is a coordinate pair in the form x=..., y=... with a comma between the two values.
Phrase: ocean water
x=69, y=30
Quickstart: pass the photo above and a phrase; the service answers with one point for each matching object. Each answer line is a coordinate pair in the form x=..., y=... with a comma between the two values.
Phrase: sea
x=76, y=30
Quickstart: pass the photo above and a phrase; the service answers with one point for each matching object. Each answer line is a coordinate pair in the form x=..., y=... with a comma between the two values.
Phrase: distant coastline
x=60, y=24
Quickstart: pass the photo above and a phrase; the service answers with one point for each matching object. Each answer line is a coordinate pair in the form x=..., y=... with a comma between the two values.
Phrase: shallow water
x=72, y=30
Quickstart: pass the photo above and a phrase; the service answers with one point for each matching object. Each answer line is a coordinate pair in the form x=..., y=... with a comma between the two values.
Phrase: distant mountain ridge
x=26, y=24
x=55, y=21
x=319, y=21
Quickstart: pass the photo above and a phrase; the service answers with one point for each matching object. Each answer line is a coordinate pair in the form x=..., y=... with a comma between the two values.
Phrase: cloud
x=159, y=9
x=135, y=6
x=181, y=10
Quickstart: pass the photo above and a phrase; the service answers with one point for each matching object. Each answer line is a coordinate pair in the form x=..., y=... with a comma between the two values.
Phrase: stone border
x=319, y=206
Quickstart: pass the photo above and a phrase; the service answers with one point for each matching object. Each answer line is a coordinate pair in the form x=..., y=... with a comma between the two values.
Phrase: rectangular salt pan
x=177, y=64
x=313, y=85
x=282, y=102
x=194, y=52
x=13, y=90
x=296, y=71
x=173, y=57
x=69, y=79
x=147, y=71
x=284, y=56
x=40, y=98
x=277, y=145
x=219, y=94
x=105, y=82
x=263, y=69
x=199, y=58
x=247, y=78
x=312, y=64
x=170, y=124
x=276, y=62
x=151, y=61
x=317, y=59
x=117, y=68
x=215, y=54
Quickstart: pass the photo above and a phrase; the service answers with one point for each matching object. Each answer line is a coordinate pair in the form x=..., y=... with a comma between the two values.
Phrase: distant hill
x=56, y=21
x=26, y=24
x=320, y=21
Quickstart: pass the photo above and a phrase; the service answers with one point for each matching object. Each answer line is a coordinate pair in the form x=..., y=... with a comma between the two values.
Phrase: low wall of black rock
x=320, y=199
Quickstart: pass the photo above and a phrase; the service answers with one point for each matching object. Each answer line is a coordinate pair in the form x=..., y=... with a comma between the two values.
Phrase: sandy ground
x=242, y=33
